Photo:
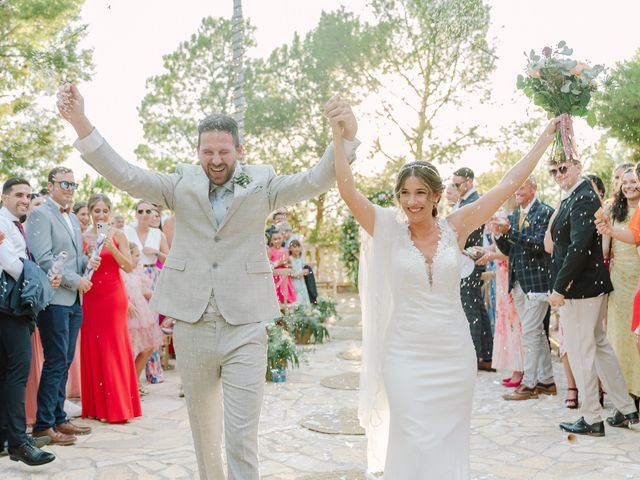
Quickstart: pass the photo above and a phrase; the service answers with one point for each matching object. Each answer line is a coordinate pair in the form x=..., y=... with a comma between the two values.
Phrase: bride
x=419, y=363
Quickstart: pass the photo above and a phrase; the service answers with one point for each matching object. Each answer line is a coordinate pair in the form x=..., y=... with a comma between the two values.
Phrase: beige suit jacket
x=229, y=260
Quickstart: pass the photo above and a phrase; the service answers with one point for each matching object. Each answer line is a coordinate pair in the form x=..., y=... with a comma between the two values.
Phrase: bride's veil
x=375, y=297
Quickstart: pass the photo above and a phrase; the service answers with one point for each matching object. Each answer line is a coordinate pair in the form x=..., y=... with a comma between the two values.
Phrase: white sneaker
x=72, y=410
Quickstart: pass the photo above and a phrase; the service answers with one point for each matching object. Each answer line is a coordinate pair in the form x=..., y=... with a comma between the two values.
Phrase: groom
x=217, y=281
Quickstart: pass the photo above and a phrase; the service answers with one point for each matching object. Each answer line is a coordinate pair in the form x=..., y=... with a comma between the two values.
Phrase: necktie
x=65, y=210
x=21, y=228
x=523, y=215
x=219, y=205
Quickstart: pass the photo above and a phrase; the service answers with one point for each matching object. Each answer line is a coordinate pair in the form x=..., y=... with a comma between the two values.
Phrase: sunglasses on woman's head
x=562, y=170
x=147, y=211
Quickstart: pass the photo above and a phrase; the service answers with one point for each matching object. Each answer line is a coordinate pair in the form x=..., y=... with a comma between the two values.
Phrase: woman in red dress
x=109, y=383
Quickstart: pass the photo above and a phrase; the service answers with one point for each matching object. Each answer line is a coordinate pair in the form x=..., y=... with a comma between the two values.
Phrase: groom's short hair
x=219, y=122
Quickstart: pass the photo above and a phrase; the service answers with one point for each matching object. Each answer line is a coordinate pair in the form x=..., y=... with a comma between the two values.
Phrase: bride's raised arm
x=470, y=217
x=361, y=207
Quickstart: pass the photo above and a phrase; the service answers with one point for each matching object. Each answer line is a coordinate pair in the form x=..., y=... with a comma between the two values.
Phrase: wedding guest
x=507, y=334
x=15, y=330
x=522, y=238
x=151, y=241
x=35, y=200
x=144, y=331
x=117, y=221
x=471, y=286
x=50, y=230
x=278, y=216
x=579, y=285
x=452, y=196
x=298, y=272
x=571, y=401
x=285, y=229
x=155, y=221
x=598, y=184
x=153, y=369
x=109, y=382
x=625, y=271
x=279, y=258
x=81, y=212
x=616, y=178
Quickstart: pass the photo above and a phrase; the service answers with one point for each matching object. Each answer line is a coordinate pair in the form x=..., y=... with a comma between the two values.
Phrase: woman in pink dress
x=507, y=337
x=144, y=331
x=279, y=258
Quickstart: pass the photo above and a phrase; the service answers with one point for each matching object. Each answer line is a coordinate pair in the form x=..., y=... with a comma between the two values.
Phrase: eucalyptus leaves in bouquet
x=561, y=86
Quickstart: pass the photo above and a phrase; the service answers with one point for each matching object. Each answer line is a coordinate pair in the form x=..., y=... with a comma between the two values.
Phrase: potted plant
x=326, y=308
x=281, y=352
x=304, y=322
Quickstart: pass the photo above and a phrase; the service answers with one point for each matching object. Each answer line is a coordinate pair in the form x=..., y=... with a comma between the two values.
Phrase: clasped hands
x=339, y=113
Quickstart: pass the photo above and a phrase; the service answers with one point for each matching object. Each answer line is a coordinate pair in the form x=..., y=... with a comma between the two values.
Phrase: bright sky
x=129, y=39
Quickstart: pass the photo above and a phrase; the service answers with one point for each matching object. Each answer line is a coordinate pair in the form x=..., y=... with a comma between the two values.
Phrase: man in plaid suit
x=529, y=276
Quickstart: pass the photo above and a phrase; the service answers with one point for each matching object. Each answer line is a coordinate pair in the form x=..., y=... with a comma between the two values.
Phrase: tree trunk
x=238, y=66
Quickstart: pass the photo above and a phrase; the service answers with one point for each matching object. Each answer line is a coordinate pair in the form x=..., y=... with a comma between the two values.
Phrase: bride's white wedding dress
x=419, y=363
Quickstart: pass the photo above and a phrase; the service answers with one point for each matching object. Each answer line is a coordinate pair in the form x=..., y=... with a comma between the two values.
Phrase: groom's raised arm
x=138, y=182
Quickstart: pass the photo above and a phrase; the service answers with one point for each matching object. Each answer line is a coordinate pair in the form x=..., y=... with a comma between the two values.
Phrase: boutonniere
x=242, y=179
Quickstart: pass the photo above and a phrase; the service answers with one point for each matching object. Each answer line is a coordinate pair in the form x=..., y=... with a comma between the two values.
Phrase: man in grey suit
x=217, y=281
x=50, y=230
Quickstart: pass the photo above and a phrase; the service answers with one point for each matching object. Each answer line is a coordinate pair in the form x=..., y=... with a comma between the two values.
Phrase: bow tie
x=65, y=210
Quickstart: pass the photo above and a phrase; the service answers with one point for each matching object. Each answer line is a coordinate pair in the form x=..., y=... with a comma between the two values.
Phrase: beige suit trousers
x=591, y=356
x=222, y=367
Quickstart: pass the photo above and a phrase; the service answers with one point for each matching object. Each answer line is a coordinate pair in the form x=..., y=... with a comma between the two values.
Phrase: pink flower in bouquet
x=577, y=70
x=533, y=72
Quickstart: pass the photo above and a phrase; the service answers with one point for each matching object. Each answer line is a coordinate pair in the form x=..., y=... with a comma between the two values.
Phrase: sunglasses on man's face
x=147, y=211
x=64, y=185
x=561, y=170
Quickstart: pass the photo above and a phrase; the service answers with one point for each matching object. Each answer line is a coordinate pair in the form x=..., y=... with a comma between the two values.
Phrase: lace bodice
x=416, y=282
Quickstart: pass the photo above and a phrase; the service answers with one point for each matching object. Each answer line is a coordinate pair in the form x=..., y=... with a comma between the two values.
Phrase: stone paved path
x=517, y=440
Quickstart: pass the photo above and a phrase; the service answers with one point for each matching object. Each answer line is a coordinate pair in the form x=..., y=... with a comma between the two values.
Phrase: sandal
x=143, y=391
x=571, y=403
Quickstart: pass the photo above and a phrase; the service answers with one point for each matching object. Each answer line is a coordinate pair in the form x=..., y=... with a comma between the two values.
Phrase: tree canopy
x=38, y=51
x=619, y=104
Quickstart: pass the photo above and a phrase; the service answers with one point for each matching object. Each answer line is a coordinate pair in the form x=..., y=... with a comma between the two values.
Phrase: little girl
x=144, y=331
x=279, y=257
x=298, y=273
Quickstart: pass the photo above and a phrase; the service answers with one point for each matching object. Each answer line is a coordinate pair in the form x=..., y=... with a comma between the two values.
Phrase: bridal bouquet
x=561, y=85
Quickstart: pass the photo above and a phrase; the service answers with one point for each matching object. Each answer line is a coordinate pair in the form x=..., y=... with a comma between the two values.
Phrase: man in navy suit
x=471, y=286
x=579, y=286
x=522, y=239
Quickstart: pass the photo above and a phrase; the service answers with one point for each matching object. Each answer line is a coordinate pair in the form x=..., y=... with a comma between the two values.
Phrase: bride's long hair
x=427, y=174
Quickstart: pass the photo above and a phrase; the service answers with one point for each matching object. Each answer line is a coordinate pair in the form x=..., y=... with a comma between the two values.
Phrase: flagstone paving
x=509, y=440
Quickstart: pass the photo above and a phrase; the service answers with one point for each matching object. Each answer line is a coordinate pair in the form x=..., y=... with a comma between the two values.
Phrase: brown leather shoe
x=546, y=388
x=485, y=365
x=57, y=438
x=522, y=393
x=73, y=429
